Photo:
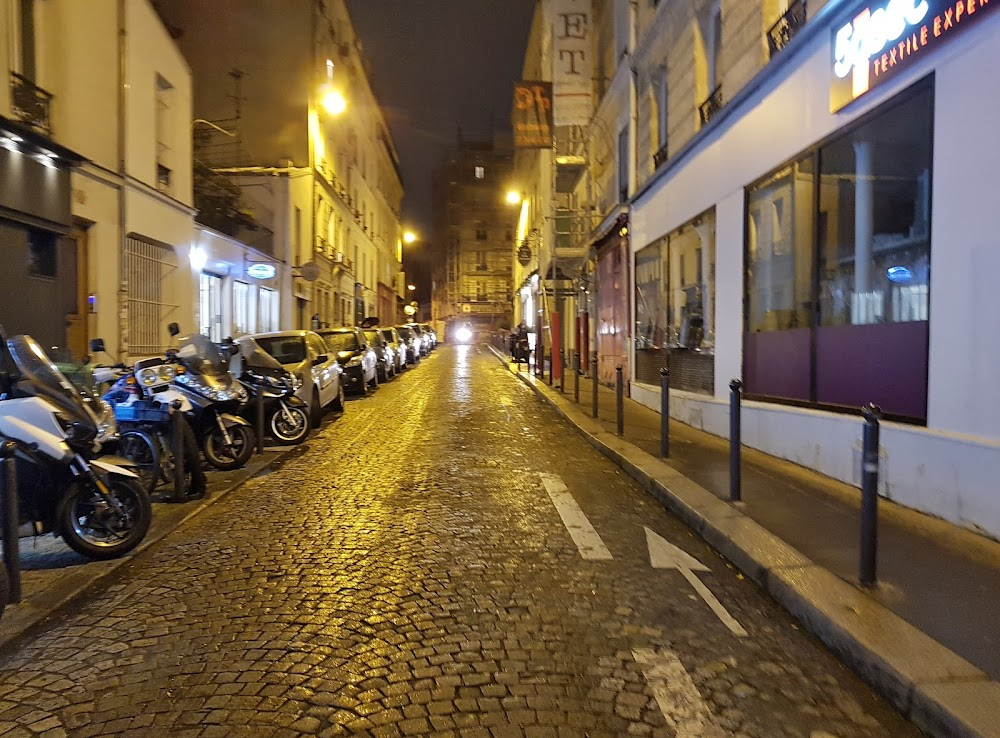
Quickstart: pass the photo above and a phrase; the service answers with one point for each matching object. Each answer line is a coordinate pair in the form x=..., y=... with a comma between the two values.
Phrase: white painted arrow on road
x=678, y=699
x=663, y=555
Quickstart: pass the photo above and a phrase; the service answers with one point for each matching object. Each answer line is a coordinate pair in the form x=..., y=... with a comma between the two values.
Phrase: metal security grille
x=145, y=271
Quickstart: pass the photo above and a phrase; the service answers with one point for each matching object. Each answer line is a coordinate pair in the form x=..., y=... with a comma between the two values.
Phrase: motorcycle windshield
x=256, y=357
x=45, y=380
x=79, y=374
x=202, y=357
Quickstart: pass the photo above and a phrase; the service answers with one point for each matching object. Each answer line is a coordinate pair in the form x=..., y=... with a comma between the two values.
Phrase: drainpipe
x=122, y=221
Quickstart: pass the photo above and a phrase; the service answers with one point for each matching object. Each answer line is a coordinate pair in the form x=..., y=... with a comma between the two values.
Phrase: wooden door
x=76, y=303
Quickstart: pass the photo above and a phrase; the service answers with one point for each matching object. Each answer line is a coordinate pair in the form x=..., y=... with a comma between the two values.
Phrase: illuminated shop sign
x=261, y=271
x=885, y=37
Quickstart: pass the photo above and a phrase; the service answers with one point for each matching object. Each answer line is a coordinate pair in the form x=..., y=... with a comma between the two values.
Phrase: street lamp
x=411, y=287
x=409, y=237
x=334, y=102
x=513, y=198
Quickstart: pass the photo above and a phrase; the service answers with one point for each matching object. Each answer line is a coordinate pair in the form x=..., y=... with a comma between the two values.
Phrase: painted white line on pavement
x=664, y=555
x=678, y=699
x=587, y=540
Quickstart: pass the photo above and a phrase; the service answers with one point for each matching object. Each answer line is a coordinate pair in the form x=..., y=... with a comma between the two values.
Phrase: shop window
x=42, y=260
x=838, y=268
x=210, y=314
x=267, y=302
x=674, y=303
x=241, y=308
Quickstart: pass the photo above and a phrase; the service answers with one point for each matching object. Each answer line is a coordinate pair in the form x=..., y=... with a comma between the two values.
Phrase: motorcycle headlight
x=148, y=377
x=167, y=373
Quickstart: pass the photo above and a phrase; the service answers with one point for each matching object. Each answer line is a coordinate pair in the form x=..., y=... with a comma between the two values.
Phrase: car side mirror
x=173, y=329
x=321, y=359
x=97, y=345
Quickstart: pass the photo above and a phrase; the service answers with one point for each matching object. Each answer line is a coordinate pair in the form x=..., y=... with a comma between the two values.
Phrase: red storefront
x=613, y=302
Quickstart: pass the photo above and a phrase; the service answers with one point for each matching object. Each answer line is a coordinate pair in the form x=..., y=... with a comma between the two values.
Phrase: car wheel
x=374, y=383
x=338, y=403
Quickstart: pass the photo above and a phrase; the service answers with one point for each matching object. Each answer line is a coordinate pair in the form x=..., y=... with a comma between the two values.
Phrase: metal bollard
x=562, y=371
x=260, y=420
x=11, y=517
x=869, y=495
x=664, y=413
x=593, y=382
x=540, y=369
x=177, y=429
x=576, y=377
x=735, y=441
x=619, y=399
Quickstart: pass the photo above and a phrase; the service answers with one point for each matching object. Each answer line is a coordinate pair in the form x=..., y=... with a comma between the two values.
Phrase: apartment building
x=291, y=118
x=474, y=229
x=96, y=157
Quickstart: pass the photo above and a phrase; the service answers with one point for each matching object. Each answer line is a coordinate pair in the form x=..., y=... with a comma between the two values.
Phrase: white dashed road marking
x=582, y=532
x=678, y=699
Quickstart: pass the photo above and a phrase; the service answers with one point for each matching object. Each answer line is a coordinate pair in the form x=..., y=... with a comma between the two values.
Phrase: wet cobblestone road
x=410, y=574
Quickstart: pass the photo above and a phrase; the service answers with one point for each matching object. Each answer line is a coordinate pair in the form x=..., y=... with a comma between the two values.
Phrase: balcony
x=30, y=104
x=786, y=27
x=711, y=106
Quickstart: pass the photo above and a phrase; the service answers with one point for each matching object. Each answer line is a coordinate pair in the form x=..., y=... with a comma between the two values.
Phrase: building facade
x=292, y=120
x=474, y=229
x=798, y=176
x=96, y=114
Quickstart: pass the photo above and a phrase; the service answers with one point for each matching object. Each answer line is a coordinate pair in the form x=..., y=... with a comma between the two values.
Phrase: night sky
x=440, y=65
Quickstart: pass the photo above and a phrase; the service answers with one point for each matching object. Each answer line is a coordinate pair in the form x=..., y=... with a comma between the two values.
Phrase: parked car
x=305, y=354
x=412, y=342
x=384, y=354
x=423, y=339
x=357, y=358
x=433, y=334
x=398, y=346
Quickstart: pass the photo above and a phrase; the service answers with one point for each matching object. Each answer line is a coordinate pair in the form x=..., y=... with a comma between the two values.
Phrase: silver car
x=305, y=354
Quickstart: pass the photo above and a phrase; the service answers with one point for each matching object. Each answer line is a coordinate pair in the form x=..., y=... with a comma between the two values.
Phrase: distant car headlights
x=463, y=334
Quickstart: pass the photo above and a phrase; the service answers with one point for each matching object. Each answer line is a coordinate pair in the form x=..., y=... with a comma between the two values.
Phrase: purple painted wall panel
x=885, y=364
x=777, y=364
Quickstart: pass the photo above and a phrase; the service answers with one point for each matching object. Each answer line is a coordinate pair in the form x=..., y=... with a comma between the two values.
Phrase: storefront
x=613, y=304
x=42, y=260
x=853, y=188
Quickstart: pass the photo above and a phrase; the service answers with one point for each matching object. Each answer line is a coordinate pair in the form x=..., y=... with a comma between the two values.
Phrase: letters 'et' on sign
x=572, y=27
x=884, y=38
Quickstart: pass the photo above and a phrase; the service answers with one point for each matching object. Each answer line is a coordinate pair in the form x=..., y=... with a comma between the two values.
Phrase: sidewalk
x=53, y=575
x=796, y=534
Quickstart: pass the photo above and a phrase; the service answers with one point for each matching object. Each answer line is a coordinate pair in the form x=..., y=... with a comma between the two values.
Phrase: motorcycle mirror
x=97, y=345
x=233, y=349
x=174, y=329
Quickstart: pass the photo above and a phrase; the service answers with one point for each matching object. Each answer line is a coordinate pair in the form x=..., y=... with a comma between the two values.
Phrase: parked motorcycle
x=286, y=416
x=97, y=507
x=215, y=399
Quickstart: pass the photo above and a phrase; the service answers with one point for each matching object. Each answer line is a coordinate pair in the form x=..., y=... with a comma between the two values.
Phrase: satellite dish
x=309, y=271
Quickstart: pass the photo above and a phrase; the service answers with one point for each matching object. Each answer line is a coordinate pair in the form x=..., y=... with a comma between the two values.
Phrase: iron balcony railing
x=711, y=106
x=30, y=103
x=786, y=27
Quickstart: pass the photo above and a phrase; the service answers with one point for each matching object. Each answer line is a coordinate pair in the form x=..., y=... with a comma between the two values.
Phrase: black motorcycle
x=286, y=416
x=214, y=401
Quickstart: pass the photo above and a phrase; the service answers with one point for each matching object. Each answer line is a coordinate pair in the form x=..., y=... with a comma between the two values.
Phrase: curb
x=940, y=692
x=34, y=615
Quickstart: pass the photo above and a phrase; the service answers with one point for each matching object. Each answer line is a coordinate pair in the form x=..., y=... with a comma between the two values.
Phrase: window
x=838, y=255
x=147, y=275
x=715, y=48
x=27, y=39
x=675, y=305
x=481, y=262
x=210, y=314
x=623, y=157
x=164, y=133
x=42, y=260
x=480, y=172
x=241, y=308
x=662, y=109
x=267, y=305
x=481, y=234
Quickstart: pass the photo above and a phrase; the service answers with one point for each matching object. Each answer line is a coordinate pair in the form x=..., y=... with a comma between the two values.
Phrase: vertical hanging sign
x=572, y=61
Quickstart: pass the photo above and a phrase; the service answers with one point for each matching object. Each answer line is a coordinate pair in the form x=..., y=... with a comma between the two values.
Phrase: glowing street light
x=409, y=237
x=411, y=287
x=334, y=102
x=513, y=198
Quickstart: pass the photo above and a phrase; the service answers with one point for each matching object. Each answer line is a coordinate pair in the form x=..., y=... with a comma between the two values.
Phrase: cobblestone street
x=413, y=572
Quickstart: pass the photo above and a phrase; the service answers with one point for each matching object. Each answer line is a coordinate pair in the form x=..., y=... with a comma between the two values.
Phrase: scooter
x=286, y=416
x=97, y=506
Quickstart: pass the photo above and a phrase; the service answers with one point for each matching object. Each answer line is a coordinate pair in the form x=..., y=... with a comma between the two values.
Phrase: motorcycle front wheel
x=95, y=526
x=143, y=451
x=290, y=430
x=228, y=456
